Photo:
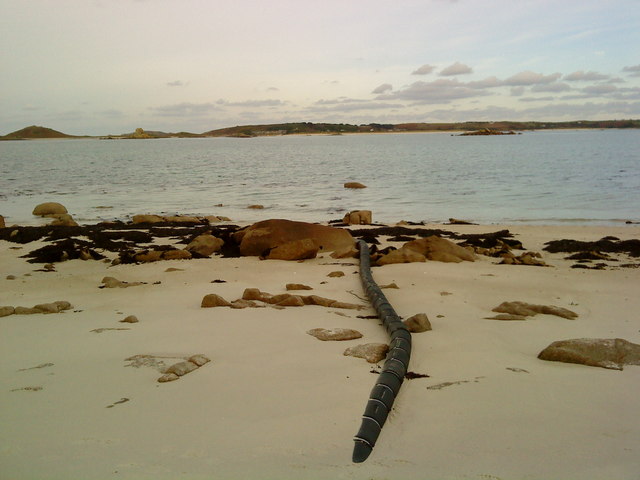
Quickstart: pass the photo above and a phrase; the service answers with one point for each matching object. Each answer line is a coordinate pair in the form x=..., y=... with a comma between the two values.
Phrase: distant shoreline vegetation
x=308, y=128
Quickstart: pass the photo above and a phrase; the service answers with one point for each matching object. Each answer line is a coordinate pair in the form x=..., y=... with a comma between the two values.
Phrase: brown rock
x=2, y=225
x=401, y=255
x=214, y=300
x=418, y=323
x=264, y=236
x=256, y=207
x=111, y=282
x=6, y=311
x=47, y=307
x=294, y=250
x=347, y=252
x=147, y=219
x=26, y=311
x=611, y=353
x=317, y=300
x=130, y=319
x=241, y=303
x=181, y=368
x=49, y=208
x=358, y=217
x=254, y=294
x=204, y=245
x=199, y=359
x=148, y=256
x=168, y=377
x=176, y=255
x=297, y=286
x=506, y=316
x=182, y=219
x=391, y=285
x=291, y=301
x=440, y=249
x=354, y=185
x=371, y=352
x=335, y=274
x=528, y=310
x=345, y=305
x=62, y=219
x=337, y=334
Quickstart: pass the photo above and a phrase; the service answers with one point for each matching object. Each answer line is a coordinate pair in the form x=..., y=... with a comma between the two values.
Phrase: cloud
x=185, y=109
x=517, y=91
x=633, y=70
x=535, y=99
x=489, y=82
x=424, y=70
x=385, y=87
x=252, y=103
x=344, y=104
x=456, y=69
x=600, y=89
x=528, y=78
x=176, y=83
x=436, y=92
x=551, y=87
x=582, y=76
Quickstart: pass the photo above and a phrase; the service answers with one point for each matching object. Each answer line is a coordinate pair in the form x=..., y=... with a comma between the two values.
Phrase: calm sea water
x=554, y=177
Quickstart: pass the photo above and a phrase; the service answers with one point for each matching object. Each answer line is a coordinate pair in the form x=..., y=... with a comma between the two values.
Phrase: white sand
x=276, y=403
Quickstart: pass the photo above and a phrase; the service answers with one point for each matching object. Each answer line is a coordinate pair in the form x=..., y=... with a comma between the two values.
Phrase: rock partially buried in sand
x=611, y=353
x=334, y=334
x=294, y=250
x=49, y=208
x=528, y=309
x=297, y=286
x=429, y=248
x=354, y=185
x=6, y=311
x=204, y=245
x=358, y=217
x=214, y=300
x=371, y=352
x=130, y=319
x=262, y=237
x=180, y=369
x=111, y=282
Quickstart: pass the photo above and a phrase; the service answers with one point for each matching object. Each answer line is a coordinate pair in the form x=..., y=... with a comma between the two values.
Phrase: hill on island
x=34, y=132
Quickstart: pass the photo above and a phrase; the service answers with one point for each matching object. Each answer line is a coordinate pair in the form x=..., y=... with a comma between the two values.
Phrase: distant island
x=308, y=128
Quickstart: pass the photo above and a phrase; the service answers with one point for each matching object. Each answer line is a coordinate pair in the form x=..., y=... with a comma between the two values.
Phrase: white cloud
x=633, y=70
x=551, y=87
x=456, y=69
x=528, y=78
x=517, y=91
x=424, y=70
x=252, y=103
x=436, y=92
x=600, y=89
x=385, y=87
x=582, y=76
x=185, y=109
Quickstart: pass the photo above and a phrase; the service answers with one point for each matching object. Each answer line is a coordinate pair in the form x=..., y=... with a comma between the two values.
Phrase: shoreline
x=274, y=402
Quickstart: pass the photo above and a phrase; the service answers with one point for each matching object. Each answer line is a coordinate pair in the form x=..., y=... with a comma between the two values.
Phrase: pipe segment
x=395, y=367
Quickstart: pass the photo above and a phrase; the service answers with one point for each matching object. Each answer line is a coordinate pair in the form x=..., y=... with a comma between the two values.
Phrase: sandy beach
x=79, y=396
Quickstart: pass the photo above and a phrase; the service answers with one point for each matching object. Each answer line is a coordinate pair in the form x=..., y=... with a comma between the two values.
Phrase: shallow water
x=553, y=177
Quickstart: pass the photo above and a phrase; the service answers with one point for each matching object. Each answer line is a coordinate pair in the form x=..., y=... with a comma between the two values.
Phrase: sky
x=97, y=67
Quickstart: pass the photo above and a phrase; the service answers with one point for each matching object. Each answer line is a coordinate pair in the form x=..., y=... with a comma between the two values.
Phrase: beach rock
x=168, y=377
x=214, y=300
x=254, y=294
x=49, y=208
x=294, y=250
x=290, y=301
x=147, y=219
x=297, y=286
x=371, y=352
x=111, y=282
x=199, y=359
x=47, y=307
x=6, y=311
x=528, y=310
x=241, y=303
x=336, y=274
x=2, y=225
x=317, y=300
x=262, y=237
x=26, y=311
x=256, y=207
x=182, y=219
x=347, y=252
x=611, y=353
x=181, y=368
x=390, y=285
x=335, y=334
x=401, y=255
x=176, y=254
x=418, y=323
x=506, y=317
x=204, y=245
x=440, y=250
x=62, y=219
x=354, y=185
x=130, y=319
x=358, y=217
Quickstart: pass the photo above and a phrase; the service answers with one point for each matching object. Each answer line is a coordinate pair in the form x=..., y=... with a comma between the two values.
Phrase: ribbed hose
x=395, y=367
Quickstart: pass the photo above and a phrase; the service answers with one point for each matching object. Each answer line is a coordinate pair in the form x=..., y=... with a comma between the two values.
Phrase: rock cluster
x=56, y=211
x=53, y=307
x=429, y=248
x=187, y=219
x=177, y=370
x=527, y=258
x=253, y=295
x=611, y=353
x=521, y=310
x=290, y=240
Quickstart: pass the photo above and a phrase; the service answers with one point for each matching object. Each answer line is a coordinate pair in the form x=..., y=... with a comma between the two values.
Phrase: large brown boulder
x=204, y=245
x=611, y=353
x=358, y=217
x=294, y=250
x=429, y=248
x=2, y=222
x=262, y=237
x=49, y=208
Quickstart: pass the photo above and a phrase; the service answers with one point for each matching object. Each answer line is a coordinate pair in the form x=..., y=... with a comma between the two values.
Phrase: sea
x=580, y=177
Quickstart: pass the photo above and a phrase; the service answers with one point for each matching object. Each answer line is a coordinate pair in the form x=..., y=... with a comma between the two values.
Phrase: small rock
x=168, y=377
x=176, y=254
x=130, y=319
x=358, y=217
x=335, y=274
x=47, y=307
x=291, y=301
x=6, y=311
x=11, y=277
x=336, y=334
x=354, y=185
x=391, y=285
x=182, y=368
x=528, y=309
x=242, y=303
x=253, y=294
x=611, y=353
x=506, y=316
x=49, y=208
x=256, y=207
x=204, y=245
x=214, y=300
x=418, y=323
x=371, y=352
x=297, y=286
x=199, y=359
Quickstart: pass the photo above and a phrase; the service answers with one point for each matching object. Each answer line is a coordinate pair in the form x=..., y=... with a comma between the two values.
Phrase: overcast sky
x=110, y=66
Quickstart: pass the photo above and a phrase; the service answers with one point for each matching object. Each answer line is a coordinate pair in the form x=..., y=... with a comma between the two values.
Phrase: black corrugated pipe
x=395, y=367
